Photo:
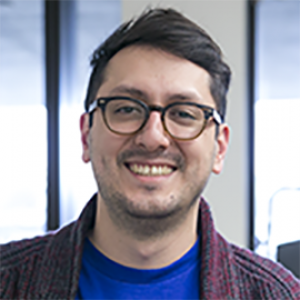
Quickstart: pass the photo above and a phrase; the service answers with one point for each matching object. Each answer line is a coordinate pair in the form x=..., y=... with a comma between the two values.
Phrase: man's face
x=156, y=78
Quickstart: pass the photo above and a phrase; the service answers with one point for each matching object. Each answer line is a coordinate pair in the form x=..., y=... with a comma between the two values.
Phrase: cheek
x=200, y=156
x=105, y=148
x=103, y=141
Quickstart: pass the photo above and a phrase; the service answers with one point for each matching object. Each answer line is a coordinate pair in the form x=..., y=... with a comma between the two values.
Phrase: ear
x=221, y=149
x=85, y=130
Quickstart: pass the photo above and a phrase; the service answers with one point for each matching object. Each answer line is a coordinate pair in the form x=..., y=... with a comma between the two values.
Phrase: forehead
x=155, y=75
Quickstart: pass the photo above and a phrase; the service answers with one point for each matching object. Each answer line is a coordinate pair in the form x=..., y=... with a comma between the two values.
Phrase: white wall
x=225, y=20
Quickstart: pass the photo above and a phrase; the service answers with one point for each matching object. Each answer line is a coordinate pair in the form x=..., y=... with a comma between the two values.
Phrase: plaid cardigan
x=48, y=267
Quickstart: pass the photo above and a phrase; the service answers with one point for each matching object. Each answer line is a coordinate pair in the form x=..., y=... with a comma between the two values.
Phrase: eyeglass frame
x=101, y=102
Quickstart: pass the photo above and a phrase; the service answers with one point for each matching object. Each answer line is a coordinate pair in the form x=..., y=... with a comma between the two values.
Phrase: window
x=277, y=125
x=24, y=173
x=93, y=21
x=23, y=121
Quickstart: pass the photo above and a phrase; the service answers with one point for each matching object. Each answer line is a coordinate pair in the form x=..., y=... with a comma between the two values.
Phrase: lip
x=150, y=178
x=150, y=163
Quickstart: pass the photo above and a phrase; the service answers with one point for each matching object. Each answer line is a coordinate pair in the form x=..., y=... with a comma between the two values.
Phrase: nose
x=153, y=135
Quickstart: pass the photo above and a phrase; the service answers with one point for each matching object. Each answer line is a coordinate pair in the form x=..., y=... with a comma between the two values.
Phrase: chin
x=151, y=208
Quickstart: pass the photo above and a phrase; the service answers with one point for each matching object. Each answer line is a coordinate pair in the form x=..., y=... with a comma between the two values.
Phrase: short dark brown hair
x=170, y=31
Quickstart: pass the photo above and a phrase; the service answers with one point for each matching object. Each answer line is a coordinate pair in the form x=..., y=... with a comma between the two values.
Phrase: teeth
x=154, y=170
x=150, y=170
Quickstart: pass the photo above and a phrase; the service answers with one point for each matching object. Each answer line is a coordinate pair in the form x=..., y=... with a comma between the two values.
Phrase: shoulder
x=20, y=264
x=266, y=278
x=18, y=253
x=22, y=261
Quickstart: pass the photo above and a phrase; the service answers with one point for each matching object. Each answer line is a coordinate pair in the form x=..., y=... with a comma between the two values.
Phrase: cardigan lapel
x=60, y=270
x=218, y=277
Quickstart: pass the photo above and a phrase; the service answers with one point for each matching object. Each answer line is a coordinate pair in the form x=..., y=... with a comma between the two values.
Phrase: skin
x=149, y=221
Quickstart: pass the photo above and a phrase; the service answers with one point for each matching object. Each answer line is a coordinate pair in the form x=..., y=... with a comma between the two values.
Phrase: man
x=154, y=131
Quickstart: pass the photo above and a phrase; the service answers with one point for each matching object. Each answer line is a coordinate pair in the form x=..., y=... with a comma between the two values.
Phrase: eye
x=124, y=107
x=125, y=110
x=182, y=114
x=185, y=115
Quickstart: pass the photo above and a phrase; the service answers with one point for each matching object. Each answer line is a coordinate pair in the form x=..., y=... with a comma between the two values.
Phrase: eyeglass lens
x=180, y=120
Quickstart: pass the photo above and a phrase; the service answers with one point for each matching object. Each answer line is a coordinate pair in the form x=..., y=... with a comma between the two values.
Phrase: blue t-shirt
x=102, y=278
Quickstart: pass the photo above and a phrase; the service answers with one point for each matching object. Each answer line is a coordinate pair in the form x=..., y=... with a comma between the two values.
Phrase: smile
x=150, y=170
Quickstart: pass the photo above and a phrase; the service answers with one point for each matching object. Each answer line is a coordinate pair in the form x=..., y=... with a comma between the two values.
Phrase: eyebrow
x=141, y=95
x=133, y=92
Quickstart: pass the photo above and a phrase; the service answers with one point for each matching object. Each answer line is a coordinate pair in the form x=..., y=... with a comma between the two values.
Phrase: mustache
x=131, y=153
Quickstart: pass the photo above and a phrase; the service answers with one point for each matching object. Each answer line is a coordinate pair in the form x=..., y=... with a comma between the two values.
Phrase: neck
x=156, y=252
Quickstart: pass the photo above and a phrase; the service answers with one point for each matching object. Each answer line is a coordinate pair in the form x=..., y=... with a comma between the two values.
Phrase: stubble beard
x=149, y=220
x=142, y=223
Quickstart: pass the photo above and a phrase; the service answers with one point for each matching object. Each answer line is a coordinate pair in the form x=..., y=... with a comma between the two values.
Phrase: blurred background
x=45, y=48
